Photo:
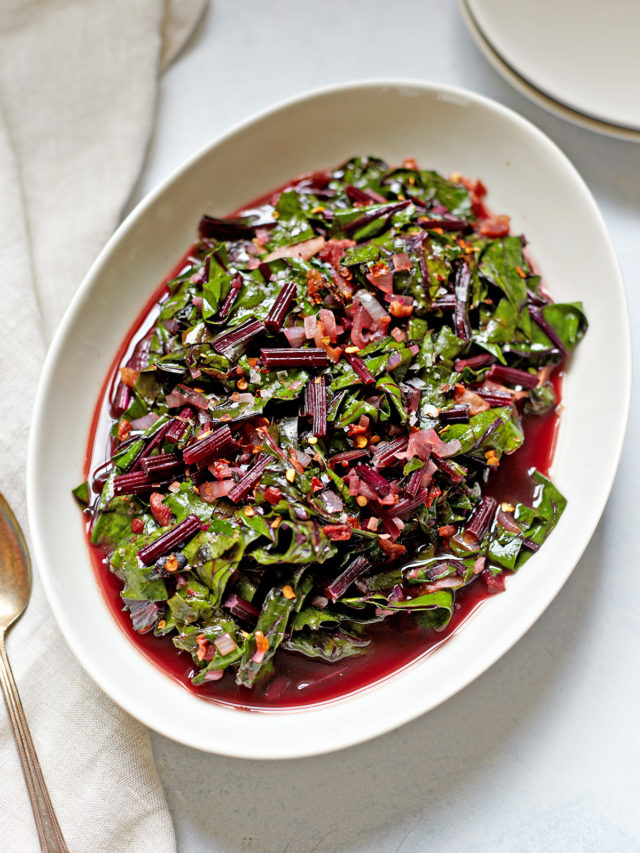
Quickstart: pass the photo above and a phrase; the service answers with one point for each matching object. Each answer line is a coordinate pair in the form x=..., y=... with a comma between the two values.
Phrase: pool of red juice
x=298, y=681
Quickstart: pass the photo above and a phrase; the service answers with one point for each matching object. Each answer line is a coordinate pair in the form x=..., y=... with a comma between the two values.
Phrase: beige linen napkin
x=78, y=81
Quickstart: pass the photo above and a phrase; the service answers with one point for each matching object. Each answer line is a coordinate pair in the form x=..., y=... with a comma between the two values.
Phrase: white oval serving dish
x=443, y=128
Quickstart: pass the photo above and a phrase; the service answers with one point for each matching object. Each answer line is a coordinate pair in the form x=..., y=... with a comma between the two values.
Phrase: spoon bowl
x=15, y=568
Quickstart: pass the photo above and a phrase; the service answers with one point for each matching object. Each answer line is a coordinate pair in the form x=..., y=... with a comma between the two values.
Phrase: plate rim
x=476, y=10
x=336, y=739
x=537, y=96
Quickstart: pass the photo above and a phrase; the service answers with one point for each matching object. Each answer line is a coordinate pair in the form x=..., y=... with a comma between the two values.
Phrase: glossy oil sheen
x=299, y=681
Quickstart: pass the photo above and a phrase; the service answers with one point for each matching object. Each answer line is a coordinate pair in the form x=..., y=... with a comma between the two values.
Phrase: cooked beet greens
x=301, y=442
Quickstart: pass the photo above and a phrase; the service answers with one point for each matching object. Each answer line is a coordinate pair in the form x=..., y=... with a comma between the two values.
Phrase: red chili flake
x=129, y=376
x=495, y=226
x=124, y=428
x=400, y=309
x=356, y=429
x=391, y=549
x=272, y=495
x=446, y=531
x=137, y=525
x=337, y=532
x=410, y=163
x=315, y=283
x=433, y=493
x=316, y=484
x=160, y=512
x=521, y=272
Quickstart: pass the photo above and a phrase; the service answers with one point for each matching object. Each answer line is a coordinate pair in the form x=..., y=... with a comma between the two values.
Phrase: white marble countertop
x=542, y=752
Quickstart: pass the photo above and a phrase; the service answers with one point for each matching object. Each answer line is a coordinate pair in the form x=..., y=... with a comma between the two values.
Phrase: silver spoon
x=15, y=591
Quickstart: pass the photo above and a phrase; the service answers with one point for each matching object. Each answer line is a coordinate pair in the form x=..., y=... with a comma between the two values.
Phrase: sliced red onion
x=305, y=250
x=295, y=335
x=145, y=421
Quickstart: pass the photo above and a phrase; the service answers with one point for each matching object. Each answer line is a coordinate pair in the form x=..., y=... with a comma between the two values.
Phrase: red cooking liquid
x=394, y=643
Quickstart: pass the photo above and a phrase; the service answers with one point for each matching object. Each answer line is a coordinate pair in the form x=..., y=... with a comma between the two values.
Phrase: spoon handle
x=51, y=839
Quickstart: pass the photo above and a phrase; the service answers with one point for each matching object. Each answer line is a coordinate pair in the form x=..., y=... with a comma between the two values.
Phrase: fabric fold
x=78, y=87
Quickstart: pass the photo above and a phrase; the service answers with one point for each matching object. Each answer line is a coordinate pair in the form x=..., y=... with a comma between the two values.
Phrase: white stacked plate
x=578, y=60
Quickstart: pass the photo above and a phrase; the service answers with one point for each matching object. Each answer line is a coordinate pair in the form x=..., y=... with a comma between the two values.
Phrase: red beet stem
x=250, y=479
x=407, y=505
x=179, y=425
x=376, y=481
x=170, y=540
x=241, y=608
x=280, y=307
x=162, y=463
x=275, y=357
x=207, y=446
x=450, y=469
x=513, y=376
x=356, y=194
x=538, y=316
x=315, y=404
x=474, y=362
x=347, y=456
x=495, y=398
x=372, y=215
x=481, y=519
x=136, y=483
x=446, y=224
x=446, y=303
x=462, y=279
x=154, y=441
x=385, y=454
x=362, y=371
x=414, y=482
x=339, y=585
x=227, y=342
x=455, y=415
x=232, y=295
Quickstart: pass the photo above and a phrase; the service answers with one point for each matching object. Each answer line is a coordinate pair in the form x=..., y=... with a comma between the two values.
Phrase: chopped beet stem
x=513, y=376
x=316, y=404
x=337, y=588
x=206, y=447
x=277, y=357
x=414, y=482
x=240, y=335
x=455, y=415
x=226, y=229
x=380, y=485
x=179, y=425
x=153, y=441
x=241, y=608
x=170, y=540
x=136, y=483
x=447, y=224
x=475, y=362
x=386, y=454
x=372, y=215
x=250, y=479
x=362, y=371
x=162, y=463
x=347, y=456
x=232, y=295
x=462, y=279
x=446, y=303
x=495, y=399
x=454, y=473
x=407, y=505
x=482, y=519
x=281, y=306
